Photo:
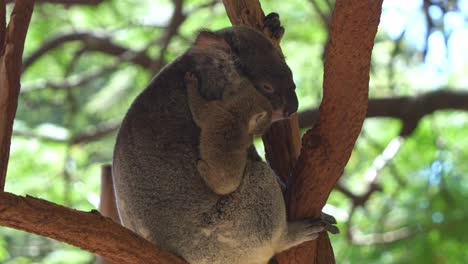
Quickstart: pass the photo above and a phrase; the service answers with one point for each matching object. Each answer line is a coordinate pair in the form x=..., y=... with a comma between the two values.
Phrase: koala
x=159, y=191
x=227, y=130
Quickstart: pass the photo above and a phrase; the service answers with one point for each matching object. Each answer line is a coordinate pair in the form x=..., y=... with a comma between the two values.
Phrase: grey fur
x=160, y=194
x=227, y=130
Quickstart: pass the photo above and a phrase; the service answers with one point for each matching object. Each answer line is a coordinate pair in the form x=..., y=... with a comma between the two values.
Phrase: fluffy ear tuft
x=208, y=39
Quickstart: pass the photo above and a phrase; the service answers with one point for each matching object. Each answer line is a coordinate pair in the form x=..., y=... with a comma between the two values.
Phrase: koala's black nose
x=291, y=104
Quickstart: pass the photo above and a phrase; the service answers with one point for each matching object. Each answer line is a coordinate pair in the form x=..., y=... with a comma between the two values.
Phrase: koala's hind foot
x=272, y=26
x=306, y=230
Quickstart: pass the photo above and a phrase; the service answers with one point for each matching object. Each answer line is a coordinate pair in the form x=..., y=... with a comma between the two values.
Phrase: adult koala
x=160, y=194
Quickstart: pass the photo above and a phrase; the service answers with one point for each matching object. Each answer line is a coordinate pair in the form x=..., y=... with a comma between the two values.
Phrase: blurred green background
x=403, y=196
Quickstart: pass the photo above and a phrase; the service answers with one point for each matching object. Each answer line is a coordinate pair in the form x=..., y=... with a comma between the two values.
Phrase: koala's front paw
x=272, y=26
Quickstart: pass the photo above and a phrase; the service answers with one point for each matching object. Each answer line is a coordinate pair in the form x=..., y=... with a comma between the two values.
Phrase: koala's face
x=258, y=60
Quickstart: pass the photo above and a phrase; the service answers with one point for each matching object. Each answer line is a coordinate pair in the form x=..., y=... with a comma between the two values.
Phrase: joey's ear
x=256, y=121
x=209, y=40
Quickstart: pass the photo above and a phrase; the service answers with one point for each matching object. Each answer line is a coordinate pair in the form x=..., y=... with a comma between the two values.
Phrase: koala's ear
x=209, y=40
x=256, y=121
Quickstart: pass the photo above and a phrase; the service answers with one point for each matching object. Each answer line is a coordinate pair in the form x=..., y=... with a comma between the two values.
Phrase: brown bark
x=10, y=69
x=88, y=230
x=327, y=148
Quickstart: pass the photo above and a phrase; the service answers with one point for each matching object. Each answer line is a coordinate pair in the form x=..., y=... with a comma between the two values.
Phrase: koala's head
x=256, y=58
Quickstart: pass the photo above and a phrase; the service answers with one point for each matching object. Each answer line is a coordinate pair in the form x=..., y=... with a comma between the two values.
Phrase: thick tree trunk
x=11, y=54
x=326, y=148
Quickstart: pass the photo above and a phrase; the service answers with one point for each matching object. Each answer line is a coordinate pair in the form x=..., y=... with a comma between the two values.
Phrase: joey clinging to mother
x=223, y=58
x=227, y=130
x=160, y=194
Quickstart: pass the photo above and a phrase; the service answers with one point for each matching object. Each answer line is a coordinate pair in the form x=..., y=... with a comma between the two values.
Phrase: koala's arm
x=199, y=106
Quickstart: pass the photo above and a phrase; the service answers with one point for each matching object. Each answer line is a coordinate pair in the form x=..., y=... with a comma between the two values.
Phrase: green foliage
x=419, y=214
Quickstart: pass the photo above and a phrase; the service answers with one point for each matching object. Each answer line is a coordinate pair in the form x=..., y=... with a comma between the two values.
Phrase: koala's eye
x=267, y=88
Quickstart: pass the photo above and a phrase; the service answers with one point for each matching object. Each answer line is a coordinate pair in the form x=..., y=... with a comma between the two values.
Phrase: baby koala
x=227, y=130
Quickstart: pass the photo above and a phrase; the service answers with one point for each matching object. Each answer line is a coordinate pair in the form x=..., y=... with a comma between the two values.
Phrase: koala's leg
x=306, y=230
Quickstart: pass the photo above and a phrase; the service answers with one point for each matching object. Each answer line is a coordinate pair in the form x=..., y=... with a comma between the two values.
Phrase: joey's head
x=256, y=58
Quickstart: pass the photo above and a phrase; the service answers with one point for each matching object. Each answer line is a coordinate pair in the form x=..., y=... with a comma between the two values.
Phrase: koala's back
x=161, y=196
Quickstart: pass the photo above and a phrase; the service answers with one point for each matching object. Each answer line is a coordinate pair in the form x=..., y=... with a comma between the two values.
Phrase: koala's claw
x=273, y=25
x=328, y=218
x=327, y=222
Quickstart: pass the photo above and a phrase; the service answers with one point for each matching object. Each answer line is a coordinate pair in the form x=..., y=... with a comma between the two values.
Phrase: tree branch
x=10, y=69
x=71, y=82
x=96, y=132
x=88, y=230
x=92, y=42
x=67, y=2
x=323, y=16
x=327, y=147
x=410, y=109
x=87, y=135
x=177, y=18
x=358, y=238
